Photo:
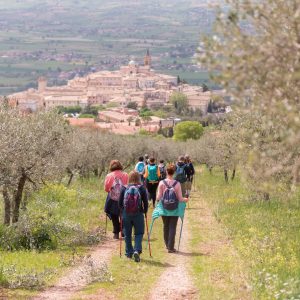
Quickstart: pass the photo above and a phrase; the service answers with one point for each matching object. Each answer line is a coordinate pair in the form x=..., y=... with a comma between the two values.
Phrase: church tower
x=42, y=84
x=147, y=59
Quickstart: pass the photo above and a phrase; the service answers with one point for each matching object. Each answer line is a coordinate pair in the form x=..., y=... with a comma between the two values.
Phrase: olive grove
x=256, y=50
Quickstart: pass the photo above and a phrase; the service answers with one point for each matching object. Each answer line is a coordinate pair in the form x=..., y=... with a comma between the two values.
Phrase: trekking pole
x=105, y=224
x=149, y=246
x=120, y=235
x=180, y=233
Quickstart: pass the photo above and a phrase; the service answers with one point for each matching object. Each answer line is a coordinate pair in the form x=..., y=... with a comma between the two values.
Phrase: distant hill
x=60, y=39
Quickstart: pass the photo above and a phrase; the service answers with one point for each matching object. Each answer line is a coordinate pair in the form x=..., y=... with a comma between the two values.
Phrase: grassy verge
x=71, y=216
x=266, y=234
x=133, y=280
x=217, y=269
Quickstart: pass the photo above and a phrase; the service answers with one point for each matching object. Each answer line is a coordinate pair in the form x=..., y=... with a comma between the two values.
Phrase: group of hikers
x=129, y=196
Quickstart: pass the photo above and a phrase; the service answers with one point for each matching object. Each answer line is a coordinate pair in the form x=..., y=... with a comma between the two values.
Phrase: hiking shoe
x=116, y=236
x=136, y=256
x=172, y=250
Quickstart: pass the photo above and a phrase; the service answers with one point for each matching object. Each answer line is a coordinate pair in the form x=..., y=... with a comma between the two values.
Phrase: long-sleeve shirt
x=162, y=187
x=144, y=198
x=109, y=180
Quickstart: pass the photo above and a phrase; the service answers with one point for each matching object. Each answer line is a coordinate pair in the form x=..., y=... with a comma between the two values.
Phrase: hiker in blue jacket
x=133, y=203
x=140, y=168
x=181, y=174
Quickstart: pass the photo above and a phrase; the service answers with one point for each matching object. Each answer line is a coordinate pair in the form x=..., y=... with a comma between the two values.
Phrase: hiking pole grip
x=149, y=246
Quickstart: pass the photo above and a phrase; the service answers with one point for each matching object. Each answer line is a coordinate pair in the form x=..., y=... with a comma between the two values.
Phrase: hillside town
x=131, y=83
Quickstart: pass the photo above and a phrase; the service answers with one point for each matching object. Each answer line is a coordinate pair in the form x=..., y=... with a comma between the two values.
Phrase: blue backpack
x=180, y=174
x=132, y=200
x=141, y=168
x=169, y=199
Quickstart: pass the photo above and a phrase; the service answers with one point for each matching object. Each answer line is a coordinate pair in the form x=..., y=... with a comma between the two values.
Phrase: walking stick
x=180, y=233
x=105, y=224
x=120, y=235
x=149, y=246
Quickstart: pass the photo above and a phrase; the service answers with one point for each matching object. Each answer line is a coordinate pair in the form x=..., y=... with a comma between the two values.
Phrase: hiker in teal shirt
x=152, y=175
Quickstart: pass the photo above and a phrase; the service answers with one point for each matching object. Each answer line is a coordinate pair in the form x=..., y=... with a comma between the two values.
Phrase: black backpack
x=180, y=174
x=163, y=173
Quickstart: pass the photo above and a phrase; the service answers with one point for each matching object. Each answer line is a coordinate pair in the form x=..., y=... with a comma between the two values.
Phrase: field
x=233, y=247
x=76, y=37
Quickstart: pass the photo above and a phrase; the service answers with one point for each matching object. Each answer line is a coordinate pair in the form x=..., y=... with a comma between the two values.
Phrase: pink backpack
x=115, y=190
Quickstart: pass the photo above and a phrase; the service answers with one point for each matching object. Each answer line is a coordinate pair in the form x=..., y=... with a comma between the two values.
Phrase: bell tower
x=147, y=59
x=42, y=84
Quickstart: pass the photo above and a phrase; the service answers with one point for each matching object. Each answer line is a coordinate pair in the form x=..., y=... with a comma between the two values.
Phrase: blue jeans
x=137, y=222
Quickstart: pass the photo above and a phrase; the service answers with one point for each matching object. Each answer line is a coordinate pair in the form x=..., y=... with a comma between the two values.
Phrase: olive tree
x=256, y=52
x=29, y=153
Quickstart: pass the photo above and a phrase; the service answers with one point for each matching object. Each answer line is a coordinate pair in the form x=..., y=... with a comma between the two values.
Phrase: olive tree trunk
x=7, y=206
x=18, y=199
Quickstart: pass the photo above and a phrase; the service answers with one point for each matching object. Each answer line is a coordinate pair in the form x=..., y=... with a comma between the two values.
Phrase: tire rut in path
x=79, y=276
x=175, y=283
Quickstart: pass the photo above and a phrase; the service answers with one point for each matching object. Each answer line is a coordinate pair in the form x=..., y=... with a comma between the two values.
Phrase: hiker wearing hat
x=133, y=204
x=113, y=184
x=181, y=174
x=170, y=194
x=152, y=175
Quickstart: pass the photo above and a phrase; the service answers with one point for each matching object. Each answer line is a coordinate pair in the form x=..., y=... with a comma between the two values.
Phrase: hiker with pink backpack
x=170, y=194
x=113, y=185
x=133, y=204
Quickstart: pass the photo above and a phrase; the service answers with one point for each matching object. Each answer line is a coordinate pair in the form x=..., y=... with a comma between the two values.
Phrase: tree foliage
x=30, y=148
x=180, y=102
x=256, y=51
x=188, y=130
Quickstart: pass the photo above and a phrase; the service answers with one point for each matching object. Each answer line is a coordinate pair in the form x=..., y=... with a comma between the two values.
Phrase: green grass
x=82, y=203
x=132, y=280
x=266, y=234
x=217, y=269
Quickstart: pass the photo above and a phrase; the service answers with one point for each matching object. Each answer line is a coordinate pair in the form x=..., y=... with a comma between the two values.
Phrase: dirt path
x=176, y=283
x=81, y=275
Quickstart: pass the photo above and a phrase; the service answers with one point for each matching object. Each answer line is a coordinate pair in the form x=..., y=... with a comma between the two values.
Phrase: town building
x=134, y=82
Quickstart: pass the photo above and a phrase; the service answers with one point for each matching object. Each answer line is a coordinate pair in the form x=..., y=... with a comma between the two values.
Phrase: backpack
x=152, y=173
x=115, y=190
x=132, y=200
x=169, y=198
x=180, y=174
x=190, y=170
x=141, y=168
x=163, y=173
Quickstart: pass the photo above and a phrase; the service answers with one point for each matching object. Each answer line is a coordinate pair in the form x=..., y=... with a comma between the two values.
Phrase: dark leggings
x=116, y=223
x=152, y=188
x=170, y=224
